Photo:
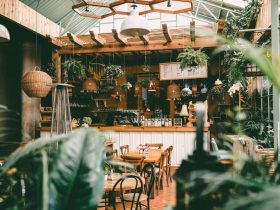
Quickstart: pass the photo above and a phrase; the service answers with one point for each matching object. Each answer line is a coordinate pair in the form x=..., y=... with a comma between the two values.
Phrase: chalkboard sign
x=172, y=71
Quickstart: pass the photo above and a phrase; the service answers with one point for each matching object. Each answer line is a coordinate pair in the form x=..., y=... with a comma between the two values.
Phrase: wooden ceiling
x=164, y=39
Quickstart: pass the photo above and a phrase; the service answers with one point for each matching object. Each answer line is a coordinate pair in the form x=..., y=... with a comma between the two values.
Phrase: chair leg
x=161, y=181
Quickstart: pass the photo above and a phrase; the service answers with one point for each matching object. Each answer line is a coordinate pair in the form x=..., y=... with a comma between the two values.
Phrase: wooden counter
x=140, y=129
x=182, y=138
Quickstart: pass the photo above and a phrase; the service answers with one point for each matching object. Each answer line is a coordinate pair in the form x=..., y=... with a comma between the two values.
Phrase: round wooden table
x=128, y=184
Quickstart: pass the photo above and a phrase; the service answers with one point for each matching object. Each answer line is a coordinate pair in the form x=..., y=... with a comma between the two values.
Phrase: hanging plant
x=113, y=72
x=126, y=86
x=145, y=82
x=74, y=70
x=192, y=57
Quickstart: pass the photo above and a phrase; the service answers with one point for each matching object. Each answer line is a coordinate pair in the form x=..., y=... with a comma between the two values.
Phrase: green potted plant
x=113, y=72
x=192, y=57
x=74, y=70
x=50, y=70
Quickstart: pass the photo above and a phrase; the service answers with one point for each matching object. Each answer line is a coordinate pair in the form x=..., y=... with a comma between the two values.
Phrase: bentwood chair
x=160, y=170
x=136, y=160
x=148, y=173
x=135, y=191
x=154, y=146
x=124, y=149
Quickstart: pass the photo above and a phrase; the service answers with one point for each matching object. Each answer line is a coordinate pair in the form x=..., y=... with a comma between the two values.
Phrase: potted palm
x=192, y=57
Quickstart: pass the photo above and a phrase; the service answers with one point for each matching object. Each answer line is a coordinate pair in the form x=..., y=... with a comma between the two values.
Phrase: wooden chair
x=154, y=146
x=148, y=173
x=115, y=153
x=161, y=170
x=136, y=160
x=168, y=165
x=135, y=193
x=124, y=149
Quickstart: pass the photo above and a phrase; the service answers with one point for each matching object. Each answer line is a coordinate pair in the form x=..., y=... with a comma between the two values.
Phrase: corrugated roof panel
x=60, y=11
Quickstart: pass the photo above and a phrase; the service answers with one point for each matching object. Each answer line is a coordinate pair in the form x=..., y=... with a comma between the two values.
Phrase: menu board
x=172, y=71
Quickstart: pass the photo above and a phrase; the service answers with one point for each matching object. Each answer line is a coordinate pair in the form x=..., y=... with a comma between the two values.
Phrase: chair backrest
x=170, y=150
x=154, y=146
x=136, y=160
x=148, y=172
x=163, y=158
x=136, y=191
x=124, y=149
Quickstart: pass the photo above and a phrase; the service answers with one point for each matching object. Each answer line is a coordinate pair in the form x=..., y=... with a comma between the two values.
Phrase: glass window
x=106, y=28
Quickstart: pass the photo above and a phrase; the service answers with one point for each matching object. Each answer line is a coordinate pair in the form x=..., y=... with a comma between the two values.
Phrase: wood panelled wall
x=26, y=16
x=14, y=61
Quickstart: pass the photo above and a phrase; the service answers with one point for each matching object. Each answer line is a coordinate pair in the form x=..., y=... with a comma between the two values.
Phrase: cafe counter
x=182, y=138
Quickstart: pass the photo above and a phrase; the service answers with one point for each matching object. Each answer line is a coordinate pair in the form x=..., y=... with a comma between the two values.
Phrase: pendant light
x=218, y=81
x=173, y=91
x=4, y=34
x=135, y=25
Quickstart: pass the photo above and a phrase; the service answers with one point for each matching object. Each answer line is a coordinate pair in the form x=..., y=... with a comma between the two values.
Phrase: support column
x=30, y=106
x=275, y=49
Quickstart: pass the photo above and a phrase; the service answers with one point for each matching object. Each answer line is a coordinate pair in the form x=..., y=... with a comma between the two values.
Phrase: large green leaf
x=76, y=179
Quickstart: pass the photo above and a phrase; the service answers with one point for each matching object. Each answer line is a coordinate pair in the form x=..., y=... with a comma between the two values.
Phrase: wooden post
x=57, y=62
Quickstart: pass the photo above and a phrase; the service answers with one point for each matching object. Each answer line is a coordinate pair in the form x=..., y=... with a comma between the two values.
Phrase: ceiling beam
x=97, y=39
x=117, y=37
x=145, y=39
x=56, y=42
x=166, y=33
x=75, y=40
x=158, y=46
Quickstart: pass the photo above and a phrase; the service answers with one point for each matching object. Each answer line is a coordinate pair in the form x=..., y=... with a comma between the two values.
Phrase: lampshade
x=184, y=111
x=135, y=25
x=173, y=91
x=4, y=34
x=90, y=85
x=218, y=82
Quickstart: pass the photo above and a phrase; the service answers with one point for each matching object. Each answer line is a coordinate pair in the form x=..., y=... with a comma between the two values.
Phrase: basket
x=36, y=83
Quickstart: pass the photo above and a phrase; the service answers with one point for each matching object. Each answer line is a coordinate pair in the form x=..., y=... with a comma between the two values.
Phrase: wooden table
x=152, y=156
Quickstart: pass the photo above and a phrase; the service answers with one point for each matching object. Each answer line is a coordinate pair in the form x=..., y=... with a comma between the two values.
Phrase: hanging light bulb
x=90, y=85
x=173, y=91
x=135, y=25
x=4, y=34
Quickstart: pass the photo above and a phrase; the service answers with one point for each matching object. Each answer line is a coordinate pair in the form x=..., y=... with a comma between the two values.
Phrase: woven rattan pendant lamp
x=173, y=91
x=36, y=83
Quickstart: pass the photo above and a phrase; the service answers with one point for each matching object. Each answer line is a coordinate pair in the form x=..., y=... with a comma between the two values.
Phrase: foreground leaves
x=76, y=179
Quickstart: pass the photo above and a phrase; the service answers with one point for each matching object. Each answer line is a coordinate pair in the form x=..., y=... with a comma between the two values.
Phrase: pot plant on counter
x=192, y=57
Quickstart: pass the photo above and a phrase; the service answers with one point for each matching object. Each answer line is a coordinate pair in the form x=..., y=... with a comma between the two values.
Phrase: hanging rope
x=36, y=33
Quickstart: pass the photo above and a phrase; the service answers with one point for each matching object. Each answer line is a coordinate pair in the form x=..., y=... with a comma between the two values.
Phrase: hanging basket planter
x=36, y=83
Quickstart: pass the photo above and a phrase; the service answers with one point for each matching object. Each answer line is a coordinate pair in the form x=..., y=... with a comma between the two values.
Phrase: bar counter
x=182, y=138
